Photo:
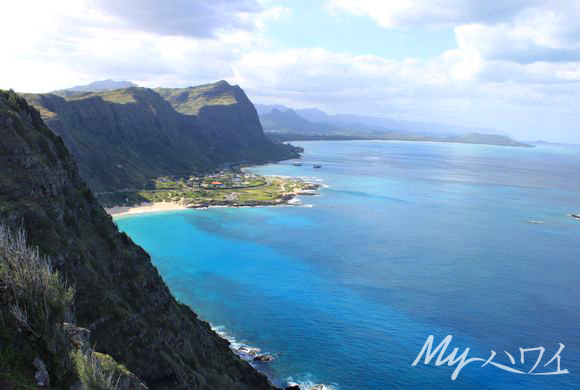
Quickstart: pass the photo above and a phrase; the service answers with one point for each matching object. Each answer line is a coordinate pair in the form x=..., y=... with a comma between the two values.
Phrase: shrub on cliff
x=37, y=303
x=35, y=298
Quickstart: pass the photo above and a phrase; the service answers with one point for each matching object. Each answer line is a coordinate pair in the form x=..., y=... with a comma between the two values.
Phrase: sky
x=511, y=65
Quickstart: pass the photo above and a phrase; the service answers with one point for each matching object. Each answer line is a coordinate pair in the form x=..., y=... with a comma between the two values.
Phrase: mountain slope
x=120, y=296
x=121, y=139
x=230, y=119
x=126, y=137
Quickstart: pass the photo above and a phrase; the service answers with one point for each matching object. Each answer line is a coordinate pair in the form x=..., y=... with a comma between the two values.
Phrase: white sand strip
x=145, y=208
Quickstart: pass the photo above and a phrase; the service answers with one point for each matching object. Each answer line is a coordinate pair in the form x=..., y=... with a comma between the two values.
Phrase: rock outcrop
x=120, y=296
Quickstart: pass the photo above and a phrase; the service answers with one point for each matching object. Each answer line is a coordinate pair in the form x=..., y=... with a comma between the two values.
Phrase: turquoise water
x=408, y=240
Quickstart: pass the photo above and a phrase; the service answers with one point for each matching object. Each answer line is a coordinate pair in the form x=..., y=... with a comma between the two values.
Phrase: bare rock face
x=79, y=337
x=119, y=294
x=263, y=358
x=41, y=376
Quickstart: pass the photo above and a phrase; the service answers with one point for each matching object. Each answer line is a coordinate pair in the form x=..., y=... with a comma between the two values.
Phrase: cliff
x=120, y=296
x=230, y=118
x=127, y=137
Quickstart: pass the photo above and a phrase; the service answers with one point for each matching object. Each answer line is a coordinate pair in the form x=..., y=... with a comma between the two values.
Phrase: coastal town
x=225, y=188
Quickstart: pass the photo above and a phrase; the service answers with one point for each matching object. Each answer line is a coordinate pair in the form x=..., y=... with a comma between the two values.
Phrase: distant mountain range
x=95, y=86
x=285, y=124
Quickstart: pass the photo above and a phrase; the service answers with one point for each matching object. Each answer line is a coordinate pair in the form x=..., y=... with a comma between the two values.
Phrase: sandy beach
x=287, y=196
x=145, y=208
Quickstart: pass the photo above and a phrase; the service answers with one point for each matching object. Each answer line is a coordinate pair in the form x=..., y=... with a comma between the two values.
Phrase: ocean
x=406, y=240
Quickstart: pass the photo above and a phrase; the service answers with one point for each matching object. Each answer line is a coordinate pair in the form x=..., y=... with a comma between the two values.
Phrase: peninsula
x=231, y=189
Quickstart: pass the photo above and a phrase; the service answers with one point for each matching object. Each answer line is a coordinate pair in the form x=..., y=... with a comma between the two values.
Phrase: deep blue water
x=409, y=240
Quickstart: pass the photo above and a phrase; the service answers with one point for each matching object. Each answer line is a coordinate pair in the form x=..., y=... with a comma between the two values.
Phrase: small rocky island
x=226, y=188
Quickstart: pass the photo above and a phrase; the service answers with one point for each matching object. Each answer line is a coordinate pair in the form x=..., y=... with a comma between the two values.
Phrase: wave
x=248, y=352
x=307, y=382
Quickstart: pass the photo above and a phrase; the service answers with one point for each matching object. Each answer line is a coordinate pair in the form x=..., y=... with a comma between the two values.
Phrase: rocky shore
x=308, y=190
x=260, y=360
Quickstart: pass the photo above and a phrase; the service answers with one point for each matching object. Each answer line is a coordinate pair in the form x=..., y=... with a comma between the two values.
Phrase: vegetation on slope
x=38, y=335
x=119, y=296
x=191, y=100
x=127, y=137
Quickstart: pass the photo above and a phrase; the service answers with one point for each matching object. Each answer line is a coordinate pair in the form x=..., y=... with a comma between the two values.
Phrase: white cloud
x=515, y=67
x=516, y=60
x=523, y=31
x=540, y=33
x=454, y=88
x=50, y=45
x=181, y=17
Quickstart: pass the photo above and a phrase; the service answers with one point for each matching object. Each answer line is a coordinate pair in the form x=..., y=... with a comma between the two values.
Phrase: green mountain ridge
x=120, y=296
x=191, y=100
x=126, y=137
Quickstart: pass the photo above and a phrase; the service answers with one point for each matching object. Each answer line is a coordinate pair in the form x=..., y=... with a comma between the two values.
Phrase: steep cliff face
x=120, y=296
x=230, y=117
x=126, y=137
x=121, y=139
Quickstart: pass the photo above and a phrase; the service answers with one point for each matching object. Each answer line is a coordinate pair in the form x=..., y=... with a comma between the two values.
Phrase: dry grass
x=38, y=299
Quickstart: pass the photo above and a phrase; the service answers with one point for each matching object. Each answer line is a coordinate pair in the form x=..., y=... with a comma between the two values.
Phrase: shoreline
x=143, y=208
x=249, y=354
x=289, y=199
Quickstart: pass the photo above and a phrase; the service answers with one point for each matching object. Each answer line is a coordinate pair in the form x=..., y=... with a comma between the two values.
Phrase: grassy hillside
x=191, y=100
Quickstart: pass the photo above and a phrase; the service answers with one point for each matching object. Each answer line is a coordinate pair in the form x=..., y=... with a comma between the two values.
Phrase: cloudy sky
x=512, y=65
